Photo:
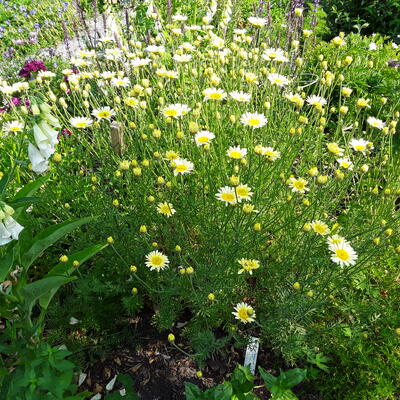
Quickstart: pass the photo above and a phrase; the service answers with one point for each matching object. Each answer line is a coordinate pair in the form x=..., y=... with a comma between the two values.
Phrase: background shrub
x=381, y=16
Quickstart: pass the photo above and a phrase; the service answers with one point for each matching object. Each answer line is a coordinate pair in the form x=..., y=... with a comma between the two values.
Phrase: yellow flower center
x=242, y=191
x=215, y=96
x=157, y=261
x=104, y=114
x=321, y=229
x=15, y=128
x=243, y=314
x=235, y=154
x=299, y=185
x=228, y=196
x=342, y=254
x=360, y=147
x=131, y=102
x=165, y=209
x=203, y=139
x=81, y=124
x=253, y=121
x=181, y=168
x=171, y=113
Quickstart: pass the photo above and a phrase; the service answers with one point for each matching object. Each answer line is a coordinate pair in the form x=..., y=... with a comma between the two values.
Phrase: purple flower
x=66, y=133
x=32, y=66
x=16, y=101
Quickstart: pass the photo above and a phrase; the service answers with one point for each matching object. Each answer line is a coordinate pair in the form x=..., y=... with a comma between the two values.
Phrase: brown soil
x=160, y=371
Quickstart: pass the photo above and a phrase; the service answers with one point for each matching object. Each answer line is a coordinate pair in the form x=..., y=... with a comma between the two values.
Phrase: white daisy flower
x=257, y=22
x=175, y=110
x=278, y=79
x=343, y=254
x=316, y=101
x=156, y=261
x=375, y=123
x=182, y=166
x=120, y=82
x=214, y=94
x=241, y=97
x=227, y=194
x=103, y=113
x=361, y=145
x=272, y=53
x=254, y=120
x=203, y=137
x=81, y=122
x=13, y=127
x=236, y=152
x=345, y=163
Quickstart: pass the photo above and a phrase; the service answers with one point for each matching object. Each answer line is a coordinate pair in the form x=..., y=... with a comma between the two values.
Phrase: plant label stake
x=117, y=138
x=251, y=354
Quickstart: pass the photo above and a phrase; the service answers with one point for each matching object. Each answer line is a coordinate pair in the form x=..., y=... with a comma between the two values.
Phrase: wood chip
x=136, y=367
x=107, y=373
x=98, y=388
x=145, y=382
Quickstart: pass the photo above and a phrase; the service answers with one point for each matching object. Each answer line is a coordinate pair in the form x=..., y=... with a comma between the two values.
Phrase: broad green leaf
x=64, y=365
x=292, y=377
x=31, y=188
x=6, y=264
x=3, y=184
x=268, y=379
x=220, y=392
x=242, y=380
x=286, y=395
x=250, y=396
x=24, y=243
x=23, y=202
x=34, y=291
x=81, y=256
x=127, y=383
x=192, y=392
x=79, y=396
x=49, y=236
x=66, y=269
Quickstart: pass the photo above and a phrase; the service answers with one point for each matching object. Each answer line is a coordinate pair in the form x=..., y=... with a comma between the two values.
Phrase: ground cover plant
x=26, y=26
x=241, y=177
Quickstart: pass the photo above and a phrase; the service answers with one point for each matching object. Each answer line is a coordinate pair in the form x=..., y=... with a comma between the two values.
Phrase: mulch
x=160, y=371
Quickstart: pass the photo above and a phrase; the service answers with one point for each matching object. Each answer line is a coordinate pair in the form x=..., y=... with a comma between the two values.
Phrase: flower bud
x=296, y=286
x=171, y=338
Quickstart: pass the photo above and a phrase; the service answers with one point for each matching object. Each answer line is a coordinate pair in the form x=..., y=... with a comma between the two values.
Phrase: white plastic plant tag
x=111, y=384
x=96, y=397
x=251, y=354
x=82, y=377
x=122, y=392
